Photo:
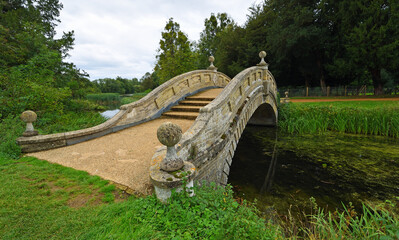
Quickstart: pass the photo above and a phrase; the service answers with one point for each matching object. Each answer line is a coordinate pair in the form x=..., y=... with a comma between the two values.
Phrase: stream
x=283, y=172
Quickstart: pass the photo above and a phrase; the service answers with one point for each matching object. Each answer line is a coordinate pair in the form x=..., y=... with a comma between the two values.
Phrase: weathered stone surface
x=164, y=181
x=35, y=147
x=28, y=116
x=169, y=134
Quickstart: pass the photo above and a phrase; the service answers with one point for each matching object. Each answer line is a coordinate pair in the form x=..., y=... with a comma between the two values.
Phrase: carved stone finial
x=169, y=134
x=29, y=117
x=262, y=55
x=286, y=94
x=212, y=67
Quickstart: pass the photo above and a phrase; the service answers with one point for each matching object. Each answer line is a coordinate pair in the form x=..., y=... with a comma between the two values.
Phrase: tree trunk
x=323, y=84
x=377, y=81
x=322, y=78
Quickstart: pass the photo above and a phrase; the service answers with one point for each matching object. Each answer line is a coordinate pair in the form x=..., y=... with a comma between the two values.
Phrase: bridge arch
x=211, y=141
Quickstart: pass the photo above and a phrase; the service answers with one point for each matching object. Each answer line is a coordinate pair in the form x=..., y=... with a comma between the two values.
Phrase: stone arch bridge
x=249, y=98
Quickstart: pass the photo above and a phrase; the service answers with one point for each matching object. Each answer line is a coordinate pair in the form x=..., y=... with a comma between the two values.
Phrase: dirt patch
x=83, y=200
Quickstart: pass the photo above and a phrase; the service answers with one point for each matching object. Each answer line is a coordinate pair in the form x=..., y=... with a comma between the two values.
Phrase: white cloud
x=120, y=37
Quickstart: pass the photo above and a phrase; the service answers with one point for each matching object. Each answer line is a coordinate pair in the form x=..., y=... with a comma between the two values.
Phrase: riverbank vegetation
x=42, y=200
x=370, y=118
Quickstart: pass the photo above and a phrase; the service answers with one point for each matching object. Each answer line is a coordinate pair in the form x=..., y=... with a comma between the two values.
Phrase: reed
x=134, y=97
x=102, y=98
x=312, y=118
x=374, y=222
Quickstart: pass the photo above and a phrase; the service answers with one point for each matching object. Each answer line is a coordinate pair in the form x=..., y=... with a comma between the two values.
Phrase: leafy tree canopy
x=33, y=74
x=175, y=55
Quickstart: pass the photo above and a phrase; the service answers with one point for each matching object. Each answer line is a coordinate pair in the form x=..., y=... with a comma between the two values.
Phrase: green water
x=282, y=172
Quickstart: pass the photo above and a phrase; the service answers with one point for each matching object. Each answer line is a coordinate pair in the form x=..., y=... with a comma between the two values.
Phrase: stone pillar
x=262, y=63
x=29, y=117
x=172, y=172
x=212, y=67
x=286, y=99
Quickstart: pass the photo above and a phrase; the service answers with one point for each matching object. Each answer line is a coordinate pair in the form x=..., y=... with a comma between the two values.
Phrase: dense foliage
x=311, y=43
x=33, y=73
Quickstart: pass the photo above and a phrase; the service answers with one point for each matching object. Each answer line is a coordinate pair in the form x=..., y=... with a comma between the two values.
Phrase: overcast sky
x=120, y=37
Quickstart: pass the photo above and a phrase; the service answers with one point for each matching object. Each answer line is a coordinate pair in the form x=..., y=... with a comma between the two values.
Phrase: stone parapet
x=211, y=141
x=150, y=107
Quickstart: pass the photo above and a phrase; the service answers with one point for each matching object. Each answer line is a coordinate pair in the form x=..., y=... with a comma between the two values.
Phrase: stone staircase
x=189, y=107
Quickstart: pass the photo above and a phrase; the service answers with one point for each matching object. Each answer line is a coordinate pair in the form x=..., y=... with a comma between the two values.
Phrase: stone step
x=181, y=115
x=194, y=98
x=193, y=103
x=186, y=108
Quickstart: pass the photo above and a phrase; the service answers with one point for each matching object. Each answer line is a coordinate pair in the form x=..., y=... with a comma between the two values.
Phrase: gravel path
x=123, y=157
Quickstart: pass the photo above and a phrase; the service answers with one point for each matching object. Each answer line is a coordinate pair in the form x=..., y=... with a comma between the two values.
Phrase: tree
x=175, y=55
x=33, y=74
x=371, y=34
x=209, y=37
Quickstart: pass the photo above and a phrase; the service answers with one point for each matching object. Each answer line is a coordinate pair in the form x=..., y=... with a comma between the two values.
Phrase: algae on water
x=333, y=168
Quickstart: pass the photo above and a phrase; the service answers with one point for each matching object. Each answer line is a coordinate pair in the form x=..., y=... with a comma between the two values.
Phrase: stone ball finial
x=212, y=67
x=211, y=59
x=169, y=134
x=262, y=55
x=29, y=117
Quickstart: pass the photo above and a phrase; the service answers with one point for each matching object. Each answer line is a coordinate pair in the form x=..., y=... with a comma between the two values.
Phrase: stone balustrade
x=211, y=141
x=149, y=107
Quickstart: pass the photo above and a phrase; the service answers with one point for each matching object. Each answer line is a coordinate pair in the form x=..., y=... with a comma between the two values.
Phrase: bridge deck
x=123, y=157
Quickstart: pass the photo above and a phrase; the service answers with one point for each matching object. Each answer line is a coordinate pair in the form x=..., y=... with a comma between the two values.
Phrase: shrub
x=11, y=128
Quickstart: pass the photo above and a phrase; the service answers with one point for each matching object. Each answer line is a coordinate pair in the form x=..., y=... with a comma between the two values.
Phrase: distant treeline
x=126, y=86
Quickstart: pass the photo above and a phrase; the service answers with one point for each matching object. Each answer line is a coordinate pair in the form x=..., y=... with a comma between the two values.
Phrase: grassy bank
x=41, y=200
x=371, y=117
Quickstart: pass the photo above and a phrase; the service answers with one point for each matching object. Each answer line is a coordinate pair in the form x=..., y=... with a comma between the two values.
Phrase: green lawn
x=354, y=104
x=40, y=200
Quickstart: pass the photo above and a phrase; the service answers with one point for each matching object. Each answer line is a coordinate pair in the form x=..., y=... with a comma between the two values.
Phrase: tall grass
x=374, y=222
x=311, y=118
x=104, y=98
x=134, y=97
